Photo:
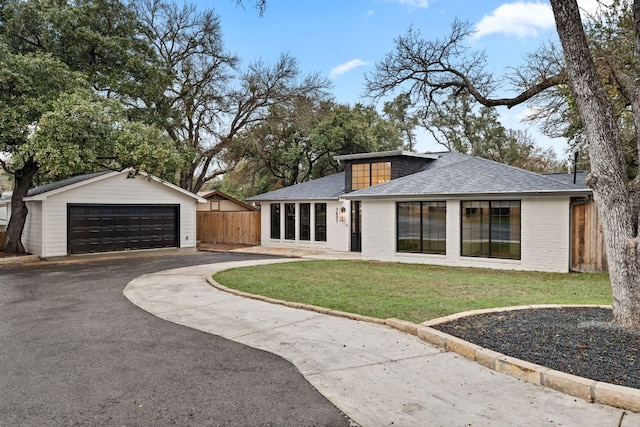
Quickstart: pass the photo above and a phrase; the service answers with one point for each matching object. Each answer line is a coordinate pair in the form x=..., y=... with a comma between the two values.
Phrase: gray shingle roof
x=452, y=174
x=65, y=182
x=459, y=174
x=326, y=188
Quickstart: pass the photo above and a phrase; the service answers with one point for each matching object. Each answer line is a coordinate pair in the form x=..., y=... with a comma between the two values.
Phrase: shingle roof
x=459, y=174
x=65, y=182
x=325, y=188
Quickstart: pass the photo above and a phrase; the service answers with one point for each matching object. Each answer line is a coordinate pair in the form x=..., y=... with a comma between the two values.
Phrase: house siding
x=32, y=232
x=117, y=189
x=337, y=231
x=544, y=237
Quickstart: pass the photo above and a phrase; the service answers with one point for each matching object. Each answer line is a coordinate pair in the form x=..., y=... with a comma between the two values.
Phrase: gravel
x=579, y=341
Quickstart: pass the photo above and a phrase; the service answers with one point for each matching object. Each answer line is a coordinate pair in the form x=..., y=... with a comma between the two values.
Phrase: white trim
x=45, y=195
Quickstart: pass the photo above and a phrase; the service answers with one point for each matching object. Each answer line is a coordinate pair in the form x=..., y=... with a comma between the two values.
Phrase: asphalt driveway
x=74, y=351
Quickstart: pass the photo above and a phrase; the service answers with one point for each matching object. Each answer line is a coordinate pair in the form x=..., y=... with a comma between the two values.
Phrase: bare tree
x=207, y=100
x=429, y=70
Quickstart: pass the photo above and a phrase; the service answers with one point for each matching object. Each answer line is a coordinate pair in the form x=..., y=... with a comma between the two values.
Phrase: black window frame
x=290, y=221
x=275, y=220
x=424, y=225
x=320, y=222
x=492, y=225
x=305, y=221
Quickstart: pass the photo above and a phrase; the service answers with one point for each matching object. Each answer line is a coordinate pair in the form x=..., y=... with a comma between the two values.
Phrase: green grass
x=413, y=292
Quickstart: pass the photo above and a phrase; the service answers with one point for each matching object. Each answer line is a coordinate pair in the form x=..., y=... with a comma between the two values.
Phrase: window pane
x=475, y=229
x=321, y=222
x=360, y=176
x=434, y=227
x=380, y=173
x=505, y=229
x=275, y=220
x=408, y=227
x=305, y=221
x=290, y=221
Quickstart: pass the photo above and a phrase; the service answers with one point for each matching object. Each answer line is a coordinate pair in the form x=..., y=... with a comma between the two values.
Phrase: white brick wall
x=337, y=231
x=544, y=237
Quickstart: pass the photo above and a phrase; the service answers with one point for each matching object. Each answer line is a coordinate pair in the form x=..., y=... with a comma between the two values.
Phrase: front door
x=356, y=223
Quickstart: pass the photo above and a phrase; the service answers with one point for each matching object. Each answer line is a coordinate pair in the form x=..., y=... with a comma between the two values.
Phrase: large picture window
x=321, y=222
x=290, y=221
x=305, y=221
x=365, y=175
x=422, y=227
x=491, y=229
x=275, y=220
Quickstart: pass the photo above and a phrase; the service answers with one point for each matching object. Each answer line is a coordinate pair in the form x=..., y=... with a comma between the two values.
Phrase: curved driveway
x=74, y=351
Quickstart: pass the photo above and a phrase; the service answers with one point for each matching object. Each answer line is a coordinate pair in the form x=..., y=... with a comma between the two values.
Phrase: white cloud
x=521, y=19
x=347, y=66
x=524, y=19
x=421, y=4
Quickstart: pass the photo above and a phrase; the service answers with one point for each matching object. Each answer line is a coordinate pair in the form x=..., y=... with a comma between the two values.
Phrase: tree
x=298, y=144
x=208, y=99
x=55, y=125
x=397, y=111
x=444, y=67
x=458, y=127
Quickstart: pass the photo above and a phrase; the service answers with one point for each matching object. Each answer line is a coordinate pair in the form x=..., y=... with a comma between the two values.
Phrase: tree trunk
x=24, y=181
x=608, y=177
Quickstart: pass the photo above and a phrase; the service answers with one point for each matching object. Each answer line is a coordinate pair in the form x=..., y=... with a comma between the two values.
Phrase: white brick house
x=434, y=208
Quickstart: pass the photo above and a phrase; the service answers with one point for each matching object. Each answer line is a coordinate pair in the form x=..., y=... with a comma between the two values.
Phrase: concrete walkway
x=377, y=375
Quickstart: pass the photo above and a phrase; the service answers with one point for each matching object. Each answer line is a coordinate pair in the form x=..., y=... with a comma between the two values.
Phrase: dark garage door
x=107, y=228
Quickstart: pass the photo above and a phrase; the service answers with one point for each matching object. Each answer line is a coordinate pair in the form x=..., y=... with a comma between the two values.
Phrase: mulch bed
x=579, y=341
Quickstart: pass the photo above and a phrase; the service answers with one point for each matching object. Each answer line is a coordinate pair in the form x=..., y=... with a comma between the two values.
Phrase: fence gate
x=242, y=227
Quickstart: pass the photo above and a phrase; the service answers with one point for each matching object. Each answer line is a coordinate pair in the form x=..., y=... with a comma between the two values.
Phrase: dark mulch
x=579, y=341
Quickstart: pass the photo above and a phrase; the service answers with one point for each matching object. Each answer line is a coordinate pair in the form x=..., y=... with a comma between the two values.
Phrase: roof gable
x=44, y=191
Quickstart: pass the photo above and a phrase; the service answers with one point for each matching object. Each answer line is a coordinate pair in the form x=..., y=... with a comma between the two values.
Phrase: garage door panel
x=107, y=228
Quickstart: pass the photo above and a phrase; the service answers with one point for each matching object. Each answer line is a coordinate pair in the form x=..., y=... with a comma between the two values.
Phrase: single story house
x=109, y=211
x=433, y=208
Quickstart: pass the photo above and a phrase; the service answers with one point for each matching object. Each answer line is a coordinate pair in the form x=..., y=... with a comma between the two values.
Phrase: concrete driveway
x=74, y=351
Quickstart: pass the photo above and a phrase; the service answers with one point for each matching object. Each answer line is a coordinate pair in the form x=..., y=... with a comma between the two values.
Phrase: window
x=321, y=222
x=305, y=221
x=275, y=220
x=422, y=227
x=290, y=221
x=365, y=175
x=491, y=229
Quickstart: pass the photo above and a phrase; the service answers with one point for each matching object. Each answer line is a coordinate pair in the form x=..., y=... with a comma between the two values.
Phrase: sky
x=343, y=39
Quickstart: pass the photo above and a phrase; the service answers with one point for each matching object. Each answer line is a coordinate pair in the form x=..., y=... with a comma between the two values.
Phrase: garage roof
x=43, y=191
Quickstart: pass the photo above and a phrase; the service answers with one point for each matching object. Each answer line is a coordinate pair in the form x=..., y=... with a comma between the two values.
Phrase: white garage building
x=109, y=211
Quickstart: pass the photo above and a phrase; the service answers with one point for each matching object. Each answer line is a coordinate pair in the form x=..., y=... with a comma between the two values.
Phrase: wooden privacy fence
x=242, y=227
x=587, y=244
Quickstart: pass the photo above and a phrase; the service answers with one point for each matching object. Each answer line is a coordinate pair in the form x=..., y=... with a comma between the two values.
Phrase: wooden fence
x=588, y=252
x=241, y=227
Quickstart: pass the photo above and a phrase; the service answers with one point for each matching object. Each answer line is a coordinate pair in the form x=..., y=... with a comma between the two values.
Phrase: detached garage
x=107, y=212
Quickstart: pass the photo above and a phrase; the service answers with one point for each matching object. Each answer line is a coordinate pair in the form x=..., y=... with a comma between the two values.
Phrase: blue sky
x=343, y=39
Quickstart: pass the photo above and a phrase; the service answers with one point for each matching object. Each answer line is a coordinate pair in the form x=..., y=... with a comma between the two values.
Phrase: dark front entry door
x=107, y=228
x=356, y=222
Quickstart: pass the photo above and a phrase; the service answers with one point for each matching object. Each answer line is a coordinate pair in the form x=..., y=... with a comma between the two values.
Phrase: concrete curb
x=626, y=398
x=19, y=259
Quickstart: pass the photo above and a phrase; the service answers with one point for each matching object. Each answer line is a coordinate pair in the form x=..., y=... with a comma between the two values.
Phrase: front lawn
x=413, y=292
